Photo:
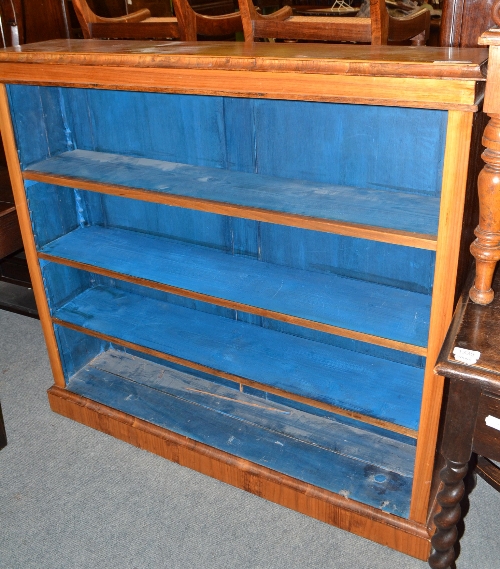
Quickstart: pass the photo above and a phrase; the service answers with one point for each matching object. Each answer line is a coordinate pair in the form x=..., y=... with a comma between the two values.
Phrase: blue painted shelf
x=316, y=297
x=384, y=208
x=347, y=460
x=372, y=386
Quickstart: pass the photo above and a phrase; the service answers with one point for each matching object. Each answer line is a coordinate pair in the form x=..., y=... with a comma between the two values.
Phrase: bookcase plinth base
x=399, y=534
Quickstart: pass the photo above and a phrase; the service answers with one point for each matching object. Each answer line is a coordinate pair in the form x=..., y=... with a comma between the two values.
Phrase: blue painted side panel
x=355, y=381
x=318, y=451
x=53, y=212
x=76, y=350
x=347, y=303
x=29, y=123
x=63, y=283
x=375, y=207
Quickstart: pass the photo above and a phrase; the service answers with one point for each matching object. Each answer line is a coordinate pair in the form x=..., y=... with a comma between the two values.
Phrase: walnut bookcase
x=245, y=257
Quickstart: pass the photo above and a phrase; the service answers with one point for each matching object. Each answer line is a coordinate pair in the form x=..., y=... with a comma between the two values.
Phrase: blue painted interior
x=346, y=459
x=317, y=297
x=362, y=146
x=354, y=158
x=381, y=208
x=211, y=336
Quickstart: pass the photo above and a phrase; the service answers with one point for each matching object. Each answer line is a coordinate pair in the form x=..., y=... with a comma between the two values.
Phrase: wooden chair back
x=186, y=26
x=192, y=24
x=379, y=29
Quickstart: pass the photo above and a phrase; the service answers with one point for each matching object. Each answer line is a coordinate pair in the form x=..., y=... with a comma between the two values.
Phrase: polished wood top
x=389, y=61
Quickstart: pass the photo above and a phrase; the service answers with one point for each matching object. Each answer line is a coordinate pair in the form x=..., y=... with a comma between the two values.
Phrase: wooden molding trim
x=456, y=94
x=365, y=521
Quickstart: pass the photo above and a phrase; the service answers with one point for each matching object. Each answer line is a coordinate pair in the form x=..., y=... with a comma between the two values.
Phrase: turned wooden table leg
x=446, y=520
x=486, y=248
x=460, y=420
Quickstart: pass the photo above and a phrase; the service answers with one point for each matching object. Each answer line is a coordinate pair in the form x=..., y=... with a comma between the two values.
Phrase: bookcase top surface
x=437, y=78
x=340, y=59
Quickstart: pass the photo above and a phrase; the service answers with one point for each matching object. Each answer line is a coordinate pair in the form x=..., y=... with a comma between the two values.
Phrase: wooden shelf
x=326, y=302
x=380, y=214
x=245, y=352
x=316, y=450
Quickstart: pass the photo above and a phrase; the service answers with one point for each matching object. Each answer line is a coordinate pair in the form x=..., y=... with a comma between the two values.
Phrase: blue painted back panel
x=362, y=146
x=333, y=143
x=333, y=375
x=76, y=349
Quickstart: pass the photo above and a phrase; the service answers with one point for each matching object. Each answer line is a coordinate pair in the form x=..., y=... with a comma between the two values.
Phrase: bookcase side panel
x=12, y=155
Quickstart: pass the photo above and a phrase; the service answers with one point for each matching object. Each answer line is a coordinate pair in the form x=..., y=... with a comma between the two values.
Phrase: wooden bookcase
x=245, y=257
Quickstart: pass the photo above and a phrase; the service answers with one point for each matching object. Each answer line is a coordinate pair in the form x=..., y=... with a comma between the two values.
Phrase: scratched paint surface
x=357, y=464
x=385, y=208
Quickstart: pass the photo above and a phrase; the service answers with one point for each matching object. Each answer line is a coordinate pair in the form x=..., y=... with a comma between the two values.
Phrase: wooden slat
x=450, y=227
x=387, y=529
x=151, y=30
x=306, y=28
x=29, y=244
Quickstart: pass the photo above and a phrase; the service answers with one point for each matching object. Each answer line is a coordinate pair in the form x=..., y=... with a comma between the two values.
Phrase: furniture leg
x=486, y=248
x=446, y=520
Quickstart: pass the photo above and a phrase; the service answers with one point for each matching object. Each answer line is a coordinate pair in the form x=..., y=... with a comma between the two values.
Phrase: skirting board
x=399, y=534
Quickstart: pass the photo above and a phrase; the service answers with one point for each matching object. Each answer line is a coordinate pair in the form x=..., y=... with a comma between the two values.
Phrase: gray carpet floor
x=74, y=498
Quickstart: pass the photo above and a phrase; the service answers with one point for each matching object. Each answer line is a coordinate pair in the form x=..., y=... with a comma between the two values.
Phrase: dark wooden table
x=470, y=359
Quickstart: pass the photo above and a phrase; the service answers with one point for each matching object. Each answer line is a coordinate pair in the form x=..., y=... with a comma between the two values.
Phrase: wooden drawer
x=487, y=434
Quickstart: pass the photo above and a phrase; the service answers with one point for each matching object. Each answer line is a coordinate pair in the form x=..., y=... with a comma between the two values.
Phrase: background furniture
x=218, y=300
x=379, y=29
x=472, y=420
x=187, y=24
x=486, y=248
x=463, y=21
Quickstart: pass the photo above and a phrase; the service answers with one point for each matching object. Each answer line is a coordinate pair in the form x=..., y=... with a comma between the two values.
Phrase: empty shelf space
x=380, y=214
x=360, y=310
x=357, y=464
x=377, y=388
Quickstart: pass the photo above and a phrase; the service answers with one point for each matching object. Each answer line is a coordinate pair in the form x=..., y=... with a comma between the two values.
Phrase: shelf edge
x=328, y=328
x=281, y=393
x=395, y=237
